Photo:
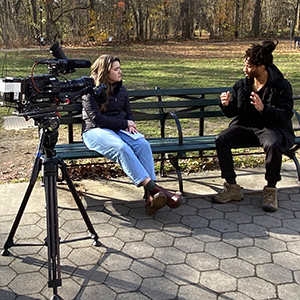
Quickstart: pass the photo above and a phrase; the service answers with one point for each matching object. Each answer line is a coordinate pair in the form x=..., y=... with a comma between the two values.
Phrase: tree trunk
x=237, y=19
x=187, y=20
x=92, y=21
x=5, y=22
x=141, y=21
x=137, y=11
x=256, y=19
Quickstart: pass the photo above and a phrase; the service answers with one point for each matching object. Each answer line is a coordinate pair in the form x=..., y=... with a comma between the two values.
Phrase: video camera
x=38, y=94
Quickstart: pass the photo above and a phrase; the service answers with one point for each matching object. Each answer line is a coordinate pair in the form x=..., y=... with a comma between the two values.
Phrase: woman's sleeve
x=127, y=108
x=99, y=119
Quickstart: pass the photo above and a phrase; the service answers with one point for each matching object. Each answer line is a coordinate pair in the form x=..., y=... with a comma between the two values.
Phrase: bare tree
x=237, y=18
x=94, y=21
x=256, y=19
x=186, y=19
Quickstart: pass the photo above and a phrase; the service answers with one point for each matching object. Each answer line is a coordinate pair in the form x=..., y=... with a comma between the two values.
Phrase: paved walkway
x=199, y=251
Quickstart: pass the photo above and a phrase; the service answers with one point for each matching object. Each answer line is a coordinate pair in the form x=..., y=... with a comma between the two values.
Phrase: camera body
x=44, y=92
x=40, y=91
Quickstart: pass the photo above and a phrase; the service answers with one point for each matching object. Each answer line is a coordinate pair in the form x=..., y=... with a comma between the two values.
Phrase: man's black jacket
x=278, y=104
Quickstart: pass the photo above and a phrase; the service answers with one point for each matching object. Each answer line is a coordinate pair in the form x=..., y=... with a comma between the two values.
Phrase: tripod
x=47, y=162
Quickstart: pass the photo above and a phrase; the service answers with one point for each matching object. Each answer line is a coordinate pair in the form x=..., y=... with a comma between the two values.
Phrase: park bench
x=162, y=105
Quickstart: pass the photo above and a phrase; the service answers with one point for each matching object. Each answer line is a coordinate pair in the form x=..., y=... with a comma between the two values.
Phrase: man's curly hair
x=261, y=54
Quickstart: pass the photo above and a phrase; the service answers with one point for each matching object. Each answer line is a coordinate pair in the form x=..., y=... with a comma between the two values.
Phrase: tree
x=93, y=21
x=237, y=19
x=256, y=19
x=186, y=19
x=4, y=21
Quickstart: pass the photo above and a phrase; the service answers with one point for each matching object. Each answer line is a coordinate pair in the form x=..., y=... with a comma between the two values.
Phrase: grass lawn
x=166, y=65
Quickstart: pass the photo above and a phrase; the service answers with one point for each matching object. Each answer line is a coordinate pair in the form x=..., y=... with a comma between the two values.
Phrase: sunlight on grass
x=178, y=65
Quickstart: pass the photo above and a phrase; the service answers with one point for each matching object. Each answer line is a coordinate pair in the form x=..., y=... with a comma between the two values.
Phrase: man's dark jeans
x=269, y=139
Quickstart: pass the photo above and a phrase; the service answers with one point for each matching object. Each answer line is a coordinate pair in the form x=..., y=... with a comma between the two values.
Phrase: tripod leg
x=52, y=240
x=35, y=171
x=88, y=223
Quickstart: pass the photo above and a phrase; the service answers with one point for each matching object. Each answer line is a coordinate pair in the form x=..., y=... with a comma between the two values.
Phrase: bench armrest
x=296, y=127
x=297, y=115
x=179, y=130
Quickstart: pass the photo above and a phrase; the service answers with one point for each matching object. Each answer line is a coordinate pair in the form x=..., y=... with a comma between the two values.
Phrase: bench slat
x=168, y=145
x=197, y=102
x=177, y=92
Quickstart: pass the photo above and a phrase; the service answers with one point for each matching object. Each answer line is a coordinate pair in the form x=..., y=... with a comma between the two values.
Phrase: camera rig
x=36, y=95
x=42, y=97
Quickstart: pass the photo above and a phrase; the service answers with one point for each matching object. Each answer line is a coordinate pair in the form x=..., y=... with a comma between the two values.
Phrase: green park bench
x=162, y=105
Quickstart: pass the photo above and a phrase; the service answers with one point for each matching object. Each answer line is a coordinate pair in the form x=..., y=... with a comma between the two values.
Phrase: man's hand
x=225, y=96
x=256, y=101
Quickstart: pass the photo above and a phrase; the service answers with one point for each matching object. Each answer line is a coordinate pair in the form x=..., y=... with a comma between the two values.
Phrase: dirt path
x=18, y=150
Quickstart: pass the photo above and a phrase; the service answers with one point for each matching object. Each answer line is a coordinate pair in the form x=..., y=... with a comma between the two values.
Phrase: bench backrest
x=155, y=105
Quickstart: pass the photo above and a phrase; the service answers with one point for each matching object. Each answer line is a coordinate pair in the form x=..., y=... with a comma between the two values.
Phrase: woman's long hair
x=100, y=71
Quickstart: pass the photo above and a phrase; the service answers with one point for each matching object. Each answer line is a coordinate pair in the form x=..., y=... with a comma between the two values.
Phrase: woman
x=108, y=128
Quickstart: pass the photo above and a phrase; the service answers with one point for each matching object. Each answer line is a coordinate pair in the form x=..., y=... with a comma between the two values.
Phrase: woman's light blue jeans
x=134, y=156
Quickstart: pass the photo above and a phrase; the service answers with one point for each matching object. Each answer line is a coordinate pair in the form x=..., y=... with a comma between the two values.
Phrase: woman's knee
x=122, y=148
x=141, y=147
x=145, y=145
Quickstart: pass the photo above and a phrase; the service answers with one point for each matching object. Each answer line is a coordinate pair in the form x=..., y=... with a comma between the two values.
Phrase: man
x=262, y=107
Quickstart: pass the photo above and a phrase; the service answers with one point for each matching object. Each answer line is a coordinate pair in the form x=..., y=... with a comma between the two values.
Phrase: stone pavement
x=200, y=251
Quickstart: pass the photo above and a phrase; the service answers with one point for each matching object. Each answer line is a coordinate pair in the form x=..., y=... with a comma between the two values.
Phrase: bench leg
x=174, y=162
x=291, y=153
x=294, y=158
x=162, y=165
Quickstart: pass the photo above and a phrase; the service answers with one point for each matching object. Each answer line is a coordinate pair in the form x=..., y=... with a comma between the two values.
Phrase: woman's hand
x=131, y=127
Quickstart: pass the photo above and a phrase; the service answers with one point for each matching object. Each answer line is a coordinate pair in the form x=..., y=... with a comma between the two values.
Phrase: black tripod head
x=48, y=125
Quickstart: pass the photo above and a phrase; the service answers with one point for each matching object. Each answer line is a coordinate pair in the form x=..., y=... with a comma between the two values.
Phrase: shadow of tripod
x=47, y=162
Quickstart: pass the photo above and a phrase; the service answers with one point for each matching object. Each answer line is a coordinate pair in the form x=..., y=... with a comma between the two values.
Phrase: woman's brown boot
x=155, y=200
x=173, y=200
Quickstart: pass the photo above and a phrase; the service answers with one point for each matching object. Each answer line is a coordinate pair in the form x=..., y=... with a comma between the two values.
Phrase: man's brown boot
x=270, y=199
x=231, y=192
